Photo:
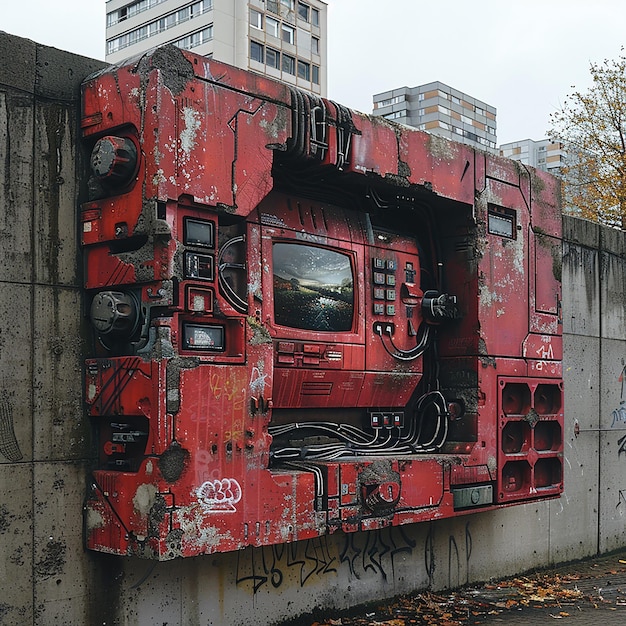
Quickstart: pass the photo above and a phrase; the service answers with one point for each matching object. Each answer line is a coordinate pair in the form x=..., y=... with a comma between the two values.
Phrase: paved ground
x=586, y=593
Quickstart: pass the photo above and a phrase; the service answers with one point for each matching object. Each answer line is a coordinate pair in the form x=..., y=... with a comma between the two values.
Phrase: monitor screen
x=313, y=288
x=204, y=337
x=198, y=233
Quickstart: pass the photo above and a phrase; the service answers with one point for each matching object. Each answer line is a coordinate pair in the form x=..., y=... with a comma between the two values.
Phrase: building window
x=157, y=27
x=256, y=19
x=395, y=115
x=152, y=28
x=272, y=58
x=281, y=7
x=288, y=34
x=275, y=5
x=132, y=9
x=182, y=15
x=271, y=26
x=315, y=45
x=303, y=11
x=256, y=52
x=304, y=70
x=288, y=65
x=195, y=39
x=315, y=75
x=315, y=17
x=389, y=101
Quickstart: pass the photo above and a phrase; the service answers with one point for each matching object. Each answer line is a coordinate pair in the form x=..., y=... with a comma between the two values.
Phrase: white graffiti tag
x=619, y=414
x=257, y=381
x=546, y=354
x=219, y=495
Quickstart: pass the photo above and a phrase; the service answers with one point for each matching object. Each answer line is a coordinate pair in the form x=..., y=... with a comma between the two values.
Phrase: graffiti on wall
x=9, y=447
x=456, y=561
x=619, y=414
x=270, y=565
x=619, y=422
x=376, y=553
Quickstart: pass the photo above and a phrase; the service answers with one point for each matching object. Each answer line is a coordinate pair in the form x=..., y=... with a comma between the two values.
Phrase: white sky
x=523, y=57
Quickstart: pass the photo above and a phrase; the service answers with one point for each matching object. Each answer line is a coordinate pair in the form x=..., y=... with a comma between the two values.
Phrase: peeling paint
x=260, y=334
x=94, y=519
x=144, y=498
x=487, y=297
x=442, y=148
x=174, y=68
x=173, y=462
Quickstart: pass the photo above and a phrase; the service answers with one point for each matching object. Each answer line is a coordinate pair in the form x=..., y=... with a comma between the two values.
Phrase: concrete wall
x=47, y=577
x=594, y=324
x=44, y=441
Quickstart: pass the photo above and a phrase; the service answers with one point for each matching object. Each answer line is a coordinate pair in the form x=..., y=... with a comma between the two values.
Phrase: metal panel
x=304, y=319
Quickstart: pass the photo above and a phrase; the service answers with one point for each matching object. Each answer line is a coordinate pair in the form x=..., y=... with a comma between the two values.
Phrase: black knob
x=114, y=160
x=114, y=312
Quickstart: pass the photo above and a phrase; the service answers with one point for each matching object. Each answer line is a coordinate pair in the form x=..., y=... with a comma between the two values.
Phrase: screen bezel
x=355, y=254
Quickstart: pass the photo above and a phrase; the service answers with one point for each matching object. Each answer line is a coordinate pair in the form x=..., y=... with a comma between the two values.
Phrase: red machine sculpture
x=305, y=318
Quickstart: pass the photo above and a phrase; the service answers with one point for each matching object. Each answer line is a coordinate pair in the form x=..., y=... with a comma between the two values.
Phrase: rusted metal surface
x=306, y=319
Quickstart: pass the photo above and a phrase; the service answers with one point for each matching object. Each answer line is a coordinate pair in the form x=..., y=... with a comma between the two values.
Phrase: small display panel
x=198, y=266
x=198, y=233
x=199, y=300
x=203, y=337
x=501, y=222
x=313, y=288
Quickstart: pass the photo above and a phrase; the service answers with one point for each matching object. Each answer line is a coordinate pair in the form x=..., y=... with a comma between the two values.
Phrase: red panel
x=375, y=148
x=444, y=166
x=305, y=319
x=531, y=438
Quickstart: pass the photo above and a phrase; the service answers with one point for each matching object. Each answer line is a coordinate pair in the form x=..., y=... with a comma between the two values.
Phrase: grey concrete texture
x=45, y=453
x=584, y=593
x=581, y=303
x=45, y=437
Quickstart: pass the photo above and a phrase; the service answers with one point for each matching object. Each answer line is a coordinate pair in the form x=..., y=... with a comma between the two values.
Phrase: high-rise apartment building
x=284, y=39
x=441, y=110
x=544, y=154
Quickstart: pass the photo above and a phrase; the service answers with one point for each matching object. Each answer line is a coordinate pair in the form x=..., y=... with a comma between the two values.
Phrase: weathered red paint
x=222, y=371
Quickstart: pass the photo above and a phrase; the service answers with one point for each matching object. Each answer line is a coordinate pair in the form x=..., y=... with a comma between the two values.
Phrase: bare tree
x=592, y=127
